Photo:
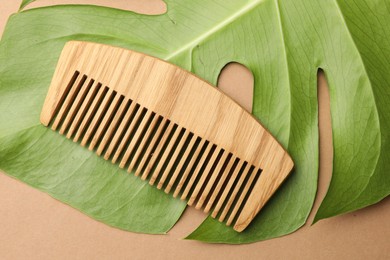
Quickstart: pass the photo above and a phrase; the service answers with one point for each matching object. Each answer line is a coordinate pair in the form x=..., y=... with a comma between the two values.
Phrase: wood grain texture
x=164, y=122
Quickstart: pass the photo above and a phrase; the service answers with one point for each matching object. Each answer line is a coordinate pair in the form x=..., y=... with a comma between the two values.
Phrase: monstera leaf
x=282, y=42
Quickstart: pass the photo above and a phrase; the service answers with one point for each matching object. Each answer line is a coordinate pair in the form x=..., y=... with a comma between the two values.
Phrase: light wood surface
x=111, y=97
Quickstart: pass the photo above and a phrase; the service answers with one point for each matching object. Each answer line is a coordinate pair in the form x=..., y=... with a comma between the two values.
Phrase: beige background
x=36, y=226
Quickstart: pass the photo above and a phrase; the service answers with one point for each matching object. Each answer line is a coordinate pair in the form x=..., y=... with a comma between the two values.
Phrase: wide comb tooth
x=168, y=126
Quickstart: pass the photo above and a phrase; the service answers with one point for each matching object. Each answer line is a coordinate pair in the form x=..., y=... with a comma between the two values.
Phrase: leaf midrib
x=190, y=45
x=286, y=65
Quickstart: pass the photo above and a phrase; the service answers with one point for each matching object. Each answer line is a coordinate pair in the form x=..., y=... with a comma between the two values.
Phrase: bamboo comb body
x=167, y=126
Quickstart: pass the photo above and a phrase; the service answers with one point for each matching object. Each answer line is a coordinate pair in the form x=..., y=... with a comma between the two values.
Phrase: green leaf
x=25, y=3
x=283, y=43
x=362, y=165
x=49, y=162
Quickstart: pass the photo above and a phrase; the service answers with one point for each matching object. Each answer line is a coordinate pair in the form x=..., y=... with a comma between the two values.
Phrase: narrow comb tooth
x=212, y=179
x=164, y=156
x=181, y=163
x=141, y=147
x=160, y=145
x=189, y=167
x=173, y=158
x=204, y=176
x=113, y=126
x=234, y=194
x=91, y=110
x=135, y=138
x=214, y=195
x=82, y=110
x=150, y=147
x=75, y=88
x=121, y=129
x=241, y=198
x=83, y=90
x=227, y=188
x=97, y=117
x=106, y=121
x=127, y=135
x=196, y=172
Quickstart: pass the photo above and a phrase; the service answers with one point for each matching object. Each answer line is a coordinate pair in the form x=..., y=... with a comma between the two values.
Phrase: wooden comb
x=168, y=126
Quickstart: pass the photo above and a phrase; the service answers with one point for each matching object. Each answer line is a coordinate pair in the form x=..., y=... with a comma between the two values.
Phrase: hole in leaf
x=236, y=81
x=325, y=143
x=150, y=7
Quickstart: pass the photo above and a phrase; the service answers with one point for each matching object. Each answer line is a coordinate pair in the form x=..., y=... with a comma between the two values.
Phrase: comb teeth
x=167, y=126
x=140, y=140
